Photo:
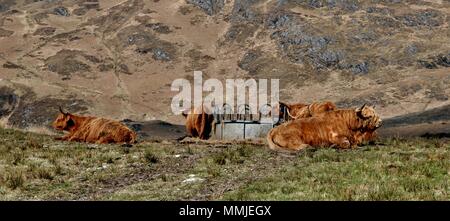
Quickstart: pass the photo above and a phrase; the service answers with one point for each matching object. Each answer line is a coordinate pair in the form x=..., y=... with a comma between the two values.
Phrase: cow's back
x=321, y=107
x=101, y=130
x=321, y=130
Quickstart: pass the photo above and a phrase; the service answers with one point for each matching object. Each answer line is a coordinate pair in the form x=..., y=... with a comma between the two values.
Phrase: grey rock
x=137, y=38
x=42, y=112
x=105, y=67
x=45, y=31
x=11, y=65
x=5, y=5
x=360, y=68
x=62, y=11
x=147, y=42
x=243, y=11
x=434, y=62
x=329, y=58
x=347, y=5
x=211, y=7
x=425, y=18
x=315, y=3
x=443, y=60
x=427, y=64
x=248, y=59
x=303, y=46
x=160, y=54
x=384, y=11
x=159, y=27
x=411, y=49
x=240, y=32
x=67, y=62
x=124, y=69
x=278, y=20
x=384, y=21
x=363, y=37
x=8, y=101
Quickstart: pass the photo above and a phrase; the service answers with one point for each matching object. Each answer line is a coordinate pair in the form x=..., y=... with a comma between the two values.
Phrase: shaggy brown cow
x=335, y=128
x=199, y=123
x=93, y=129
x=360, y=137
x=368, y=134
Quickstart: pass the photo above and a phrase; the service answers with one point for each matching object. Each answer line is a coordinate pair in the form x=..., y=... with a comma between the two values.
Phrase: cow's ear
x=361, y=108
x=364, y=106
x=359, y=112
x=69, y=122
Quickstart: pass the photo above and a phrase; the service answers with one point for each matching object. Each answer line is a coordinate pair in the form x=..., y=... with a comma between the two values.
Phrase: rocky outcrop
x=210, y=7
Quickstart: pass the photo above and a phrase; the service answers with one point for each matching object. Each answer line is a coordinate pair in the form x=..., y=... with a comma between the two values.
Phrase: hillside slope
x=118, y=58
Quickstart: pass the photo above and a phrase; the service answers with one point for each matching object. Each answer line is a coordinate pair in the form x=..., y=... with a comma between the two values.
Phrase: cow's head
x=282, y=110
x=64, y=121
x=370, y=118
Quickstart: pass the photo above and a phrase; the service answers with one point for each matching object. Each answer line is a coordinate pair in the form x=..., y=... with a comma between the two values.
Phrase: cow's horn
x=61, y=110
x=289, y=113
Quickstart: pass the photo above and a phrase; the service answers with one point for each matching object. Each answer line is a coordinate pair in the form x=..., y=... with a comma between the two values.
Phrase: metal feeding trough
x=244, y=125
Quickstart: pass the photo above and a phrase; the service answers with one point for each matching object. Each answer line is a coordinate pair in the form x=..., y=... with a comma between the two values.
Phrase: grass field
x=35, y=167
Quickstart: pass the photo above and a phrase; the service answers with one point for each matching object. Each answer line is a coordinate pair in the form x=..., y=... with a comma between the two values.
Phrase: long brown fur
x=199, y=123
x=93, y=129
x=337, y=128
x=365, y=136
x=300, y=110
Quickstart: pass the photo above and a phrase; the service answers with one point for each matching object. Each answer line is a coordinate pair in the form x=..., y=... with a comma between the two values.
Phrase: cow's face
x=63, y=122
x=371, y=119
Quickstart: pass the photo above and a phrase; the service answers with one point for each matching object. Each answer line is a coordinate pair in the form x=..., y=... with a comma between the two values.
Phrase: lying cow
x=199, y=123
x=93, y=129
x=295, y=111
x=340, y=128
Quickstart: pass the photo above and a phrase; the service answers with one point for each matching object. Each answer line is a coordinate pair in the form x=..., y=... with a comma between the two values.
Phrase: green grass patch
x=34, y=166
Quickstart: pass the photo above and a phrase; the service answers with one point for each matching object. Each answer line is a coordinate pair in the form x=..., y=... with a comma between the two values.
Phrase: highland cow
x=92, y=129
x=339, y=128
x=199, y=123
